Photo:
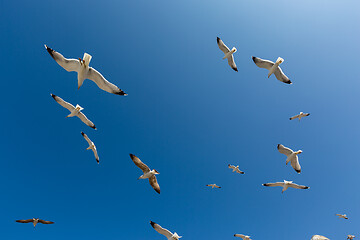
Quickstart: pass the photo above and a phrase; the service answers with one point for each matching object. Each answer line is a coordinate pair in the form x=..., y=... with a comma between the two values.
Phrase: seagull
x=236, y=169
x=75, y=111
x=342, y=216
x=228, y=53
x=291, y=157
x=242, y=236
x=81, y=66
x=34, y=221
x=169, y=235
x=273, y=68
x=148, y=173
x=91, y=146
x=350, y=237
x=213, y=185
x=285, y=185
x=319, y=237
x=300, y=115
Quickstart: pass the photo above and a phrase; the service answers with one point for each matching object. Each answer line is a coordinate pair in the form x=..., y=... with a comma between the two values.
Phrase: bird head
x=156, y=172
x=233, y=50
x=176, y=236
x=78, y=107
x=298, y=152
x=279, y=60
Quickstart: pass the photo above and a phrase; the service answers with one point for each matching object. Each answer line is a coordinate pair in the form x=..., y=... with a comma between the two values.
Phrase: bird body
x=342, y=216
x=291, y=157
x=34, y=221
x=169, y=235
x=350, y=237
x=213, y=185
x=285, y=185
x=299, y=116
x=273, y=68
x=319, y=237
x=244, y=237
x=228, y=53
x=235, y=168
x=91, y=146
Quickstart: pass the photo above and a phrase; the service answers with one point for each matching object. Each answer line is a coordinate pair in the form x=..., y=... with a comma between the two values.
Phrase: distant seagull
x=228, y=53
x=236, y=169
x=34, y=221
x=75, y=111
x=273, y=68
x=242, y=236
x=91, y=146
x=291, y=157
x=350, y=237
x=300, y=115
x=213, y=185
x=285, y=185
x=319, y=237
x=148, y=173
x=169, y=235
x=81, y=66
x=342, y=216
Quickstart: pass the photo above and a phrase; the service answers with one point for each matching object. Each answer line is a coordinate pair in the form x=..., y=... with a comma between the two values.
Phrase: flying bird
x=75, y=111
x=291, y=157
x=91, y=146
x=285, y=185
x=228, y=53
x=169, y=235
x=213, y=185
x=235, y=169
x=300, y=115
x=148, y=173
x=342, y=216
x=81, y=66
x=319, y=237
x=242, y=236
x=350, y=237
x=273, y=68
x=34, y=221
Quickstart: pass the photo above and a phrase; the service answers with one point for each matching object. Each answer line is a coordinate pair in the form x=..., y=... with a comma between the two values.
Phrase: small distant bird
x=235, y=169
x=213, y=185
x=300, y=115
x=342, y=216
x=285, y=185
x=291, y=157
x=148, y=173
x=319, y=237
x=91, y=146
x=273, y=68
x=350, y=237
x=228, y=53
x=169, y=235
x=242, y=236
x=34, y=221
x=75, y=111
x=81, y=66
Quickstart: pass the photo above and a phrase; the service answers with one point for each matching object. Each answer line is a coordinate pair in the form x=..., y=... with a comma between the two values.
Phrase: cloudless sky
x=188, y=115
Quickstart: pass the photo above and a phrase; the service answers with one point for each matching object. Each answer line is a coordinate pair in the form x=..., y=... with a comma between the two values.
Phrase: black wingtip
x=53, y=96
x=235, y=69
x=288, y=82
x=158, y=191
x=152, y=223
x=131, y=155
x=218, y=39
x=121, y=93
x=50, y=51
x=253, y=58
x=290, y=118
x=298, y=171
x=93, y=127
x=265, y=184
x=278, y=146
x=82, y=133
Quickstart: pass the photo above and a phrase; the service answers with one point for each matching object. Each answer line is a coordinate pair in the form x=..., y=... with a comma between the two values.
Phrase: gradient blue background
x=188, y=115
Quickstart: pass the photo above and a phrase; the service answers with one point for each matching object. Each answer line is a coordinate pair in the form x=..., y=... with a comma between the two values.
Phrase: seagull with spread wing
x=299, y=116
x=350, y=237
x=81, y=66
x=291, y=157
x=342, y=216
x=228, y=53
x=34, y=221
x=244, y=237
x=148, y=173
x=273, y=68
x=319, y=237
x=235, y=168
x=91, y=146
x=285, y=185
x=169, y=235
x=213, y=185
x=75, y=111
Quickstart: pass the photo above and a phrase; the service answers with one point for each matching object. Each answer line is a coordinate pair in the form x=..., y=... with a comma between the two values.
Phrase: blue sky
x=188, y=115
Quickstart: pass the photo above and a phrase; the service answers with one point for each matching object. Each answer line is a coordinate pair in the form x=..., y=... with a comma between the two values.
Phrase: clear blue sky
x=188, y=115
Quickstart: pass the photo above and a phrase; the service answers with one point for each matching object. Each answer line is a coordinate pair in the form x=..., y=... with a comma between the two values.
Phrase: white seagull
x=299, y=116
x=228, y=53
x=235, y=168
x=34, y=221
x=342, y=216
x=148, y=173
x=75, y=111
x=319, y=237
x=285, y=185
x=273, y=68
x=213, y=185
x=81, y=66
x=169, y=235
x=291, y=157
x=350, y=237
x=242, y=236
x=91, y=146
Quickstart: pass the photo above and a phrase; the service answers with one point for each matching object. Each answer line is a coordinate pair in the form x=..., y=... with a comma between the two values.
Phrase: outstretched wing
x=231, y=62
x=284, y=150
x=102, y=83
x=262, y=63
x=64, y=104
x=85, y=120
x=45, y=222
x=69, y=65
x=25, y=221
x=294, y=117
x=139, y=163
x=155, y=185
x=161, y=230
x=281, y=76
x=277, y=184
x=297, y=186
x=222, y=46
x=295, y=164
x=96, y=155
x=86, y=138
x=240, y=235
